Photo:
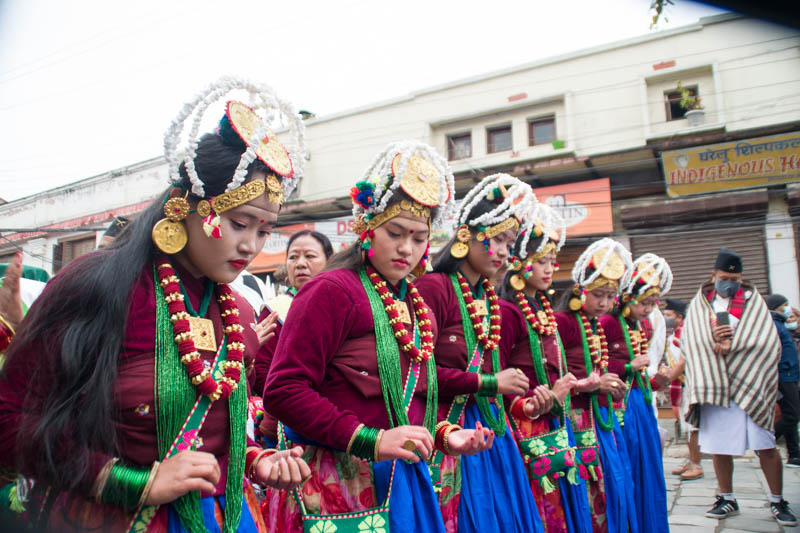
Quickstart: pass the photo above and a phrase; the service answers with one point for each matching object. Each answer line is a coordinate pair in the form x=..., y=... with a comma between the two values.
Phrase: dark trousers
x=790, y=411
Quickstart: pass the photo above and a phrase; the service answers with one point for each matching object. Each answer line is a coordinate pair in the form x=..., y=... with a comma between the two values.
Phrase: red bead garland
x=404, y=338
x=599, y=359
x=489, y=342
x=638, y=343
x=537, y=326
x=202, y=377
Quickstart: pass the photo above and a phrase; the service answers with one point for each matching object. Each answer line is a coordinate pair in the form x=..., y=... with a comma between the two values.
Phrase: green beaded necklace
x=644, y=387
x=175, y=396
x=537, y=357
x=608, y=424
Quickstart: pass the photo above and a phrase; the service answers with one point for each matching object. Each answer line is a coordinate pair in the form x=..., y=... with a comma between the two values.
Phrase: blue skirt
x=620, y=504
x=577, y=512
x=246, y=523
x=644, y=452
x=495, y=492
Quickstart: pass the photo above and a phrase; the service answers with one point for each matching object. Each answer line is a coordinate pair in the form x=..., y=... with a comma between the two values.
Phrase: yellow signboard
x=734, y=165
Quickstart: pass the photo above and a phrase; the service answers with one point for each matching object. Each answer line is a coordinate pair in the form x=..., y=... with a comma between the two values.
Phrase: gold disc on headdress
x=517, y=282
x=170, y=237
x=614, y=269
x=463, y=234
x=203, y=208
x=649, y=276
x=176, y=209
x=245, y=121
x=421, y=180
x=459, y=250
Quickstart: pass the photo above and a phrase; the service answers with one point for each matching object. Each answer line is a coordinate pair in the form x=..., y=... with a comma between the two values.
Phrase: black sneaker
x=723, y=509
x=782, y=513
x=793, y=462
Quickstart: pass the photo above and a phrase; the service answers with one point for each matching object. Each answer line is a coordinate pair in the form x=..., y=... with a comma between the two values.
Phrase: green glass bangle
x=125, y=485
x=365, y=442
x=488, y=385
x=628, y=369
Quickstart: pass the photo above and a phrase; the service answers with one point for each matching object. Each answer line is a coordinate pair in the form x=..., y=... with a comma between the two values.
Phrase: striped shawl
x=748, y=375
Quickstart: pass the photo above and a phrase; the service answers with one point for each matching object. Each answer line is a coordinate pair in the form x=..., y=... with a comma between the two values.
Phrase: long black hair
x=69, y=344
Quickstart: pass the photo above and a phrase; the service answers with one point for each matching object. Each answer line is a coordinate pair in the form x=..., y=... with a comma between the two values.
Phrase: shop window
x=66, y=251
x=498, y=139
x=459, y=146
x=541, y=131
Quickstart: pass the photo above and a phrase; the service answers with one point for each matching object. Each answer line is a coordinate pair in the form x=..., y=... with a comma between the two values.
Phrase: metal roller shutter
x=691, y=256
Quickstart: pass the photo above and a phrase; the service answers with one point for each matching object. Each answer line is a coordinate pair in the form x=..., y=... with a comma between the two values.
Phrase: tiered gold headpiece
x=610, y=264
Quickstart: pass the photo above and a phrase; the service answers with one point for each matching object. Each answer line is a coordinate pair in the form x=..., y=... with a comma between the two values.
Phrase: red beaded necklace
x=599, y=354
x=202, y=377
x=404, y=339
x=534, y=322
x=489, y=342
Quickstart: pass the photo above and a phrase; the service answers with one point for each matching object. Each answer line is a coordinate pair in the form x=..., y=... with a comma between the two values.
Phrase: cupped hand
x=265, y=329
x=470, y=441
x=639, y=362
x=283, y=470
x=721, y=333
x=588, y=384
x=10, y=299
x=563, y=385
x=391, y=444
x=512, y=381
x=539, y=403
x=184, y=472
x=611, y=383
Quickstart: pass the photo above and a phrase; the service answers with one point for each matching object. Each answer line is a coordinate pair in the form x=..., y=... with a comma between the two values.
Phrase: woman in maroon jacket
x=353, y=379
x=124, y=396
x=598, y=274
x=495, y=495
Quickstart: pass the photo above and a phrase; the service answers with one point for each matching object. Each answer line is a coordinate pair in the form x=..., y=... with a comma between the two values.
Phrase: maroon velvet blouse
x=323, y=379
x=134, y=396
x=569, y=330
x=451, y=348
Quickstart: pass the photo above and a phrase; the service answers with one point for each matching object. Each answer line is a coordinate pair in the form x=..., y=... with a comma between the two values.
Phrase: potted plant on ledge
x=695, y=113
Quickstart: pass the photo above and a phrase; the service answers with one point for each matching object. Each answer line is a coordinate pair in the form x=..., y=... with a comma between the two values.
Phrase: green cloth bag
x=550, y=456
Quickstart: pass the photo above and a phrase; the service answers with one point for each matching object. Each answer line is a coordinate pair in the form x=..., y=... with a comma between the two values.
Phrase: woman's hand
x=588, y=384
x=512, y=381
x=540, y=403
x=612, y=384
x=639, y=362
x=184, y=472
x=265, y=329
x=470, y=441
x=283, y=470
x=391, y=444
x=10, y=300
x=563, y=385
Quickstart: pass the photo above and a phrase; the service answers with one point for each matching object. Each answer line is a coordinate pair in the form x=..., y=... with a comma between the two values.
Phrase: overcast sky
x=90, y=86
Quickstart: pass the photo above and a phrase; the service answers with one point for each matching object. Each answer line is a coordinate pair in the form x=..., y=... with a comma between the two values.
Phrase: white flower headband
x=388, y=171
x=518, y=200
x=546, y=219
x=653, y=271
x=612, y=250
x=262, y=97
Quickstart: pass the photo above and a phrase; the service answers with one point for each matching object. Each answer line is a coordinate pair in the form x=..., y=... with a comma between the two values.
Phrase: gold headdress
x=651, y=276
x=610, y=264
x=542, y=222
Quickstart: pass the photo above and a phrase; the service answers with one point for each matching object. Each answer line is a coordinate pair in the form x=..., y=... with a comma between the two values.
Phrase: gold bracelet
x=252, y=474
x=7, y=325
x=378, y=443
x=353, y=438
x=146, y=491
x=101, y=479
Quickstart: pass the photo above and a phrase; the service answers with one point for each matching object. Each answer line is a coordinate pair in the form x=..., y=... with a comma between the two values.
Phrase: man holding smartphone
x=732, y=352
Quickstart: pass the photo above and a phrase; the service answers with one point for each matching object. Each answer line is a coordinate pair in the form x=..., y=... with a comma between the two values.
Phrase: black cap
x=774, y=301
x=678, y=306
x=728, y=261
x=116, y=226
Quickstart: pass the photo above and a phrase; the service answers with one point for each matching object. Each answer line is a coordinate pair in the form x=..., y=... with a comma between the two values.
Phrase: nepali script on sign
x=735, y=165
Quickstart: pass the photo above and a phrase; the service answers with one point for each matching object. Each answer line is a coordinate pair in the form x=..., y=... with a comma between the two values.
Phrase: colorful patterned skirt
x=68, y=513
x=644, y=452
x=495, y=493
x=565, y=509
x=620, y=504
x=343, y=483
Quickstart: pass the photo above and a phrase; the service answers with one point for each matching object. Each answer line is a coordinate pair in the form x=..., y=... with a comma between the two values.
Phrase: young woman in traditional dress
x=598, y=274
x=353, y=379
x=124, y=397
x=494, y=491
x=627, y=335
x=530, y=338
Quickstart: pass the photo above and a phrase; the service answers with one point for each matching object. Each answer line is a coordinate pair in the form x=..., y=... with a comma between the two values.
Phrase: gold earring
x=626, y=311
x=169, y=234
x=575, y=304
x=517, y=282
x=459, y=249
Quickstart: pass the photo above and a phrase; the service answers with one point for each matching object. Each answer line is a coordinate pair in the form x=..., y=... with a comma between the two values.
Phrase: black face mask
x=727, y=289
x=670, y=323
